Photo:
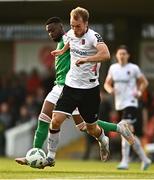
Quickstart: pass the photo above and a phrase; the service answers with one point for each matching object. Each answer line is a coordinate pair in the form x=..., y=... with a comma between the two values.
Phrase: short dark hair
x=53, y=20
x=123, y=47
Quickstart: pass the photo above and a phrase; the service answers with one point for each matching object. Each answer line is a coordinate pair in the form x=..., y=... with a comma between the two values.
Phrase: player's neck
x=123, y=63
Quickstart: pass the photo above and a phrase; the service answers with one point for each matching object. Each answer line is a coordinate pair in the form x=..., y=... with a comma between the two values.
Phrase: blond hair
x=80, y=13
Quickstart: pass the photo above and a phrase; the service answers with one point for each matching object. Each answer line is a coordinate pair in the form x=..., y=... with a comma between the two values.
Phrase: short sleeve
x=97, y=39
x=138, y=72
x=66, y=39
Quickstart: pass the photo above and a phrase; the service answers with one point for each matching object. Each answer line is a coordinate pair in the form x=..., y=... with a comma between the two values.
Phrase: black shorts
x=129, y=113
x=86, y=100
x=134, y=115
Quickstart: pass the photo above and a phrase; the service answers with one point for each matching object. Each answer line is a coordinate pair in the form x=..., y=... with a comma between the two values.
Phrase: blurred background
x=27, y=70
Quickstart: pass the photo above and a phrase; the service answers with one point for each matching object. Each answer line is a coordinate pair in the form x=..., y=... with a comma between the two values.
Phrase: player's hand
x=56, y=52
x=114, y=91
x=81, y=61
x=137, y=94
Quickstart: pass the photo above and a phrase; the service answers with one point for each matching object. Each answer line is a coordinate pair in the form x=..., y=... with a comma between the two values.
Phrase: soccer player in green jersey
x=56, y=32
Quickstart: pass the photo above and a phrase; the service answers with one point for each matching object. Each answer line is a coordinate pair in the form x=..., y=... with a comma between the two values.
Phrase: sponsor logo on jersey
x=83, y=41
x=128, y=72
x=82, y=53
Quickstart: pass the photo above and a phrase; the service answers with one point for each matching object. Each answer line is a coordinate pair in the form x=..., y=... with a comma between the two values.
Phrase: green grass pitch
x=73, y=169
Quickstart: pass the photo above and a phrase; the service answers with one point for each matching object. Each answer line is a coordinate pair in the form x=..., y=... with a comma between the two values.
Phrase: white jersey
x=86, y=75
x=125, y=84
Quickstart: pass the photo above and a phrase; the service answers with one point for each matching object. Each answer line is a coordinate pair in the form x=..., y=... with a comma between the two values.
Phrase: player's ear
x=87, y=23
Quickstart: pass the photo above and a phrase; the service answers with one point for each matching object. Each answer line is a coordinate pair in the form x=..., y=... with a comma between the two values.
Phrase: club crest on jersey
x=128, y=72
x=83, y=41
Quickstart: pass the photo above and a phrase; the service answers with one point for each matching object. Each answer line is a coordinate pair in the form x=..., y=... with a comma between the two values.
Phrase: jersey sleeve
x=97, y=39
x=138, y=72
x=66, y=39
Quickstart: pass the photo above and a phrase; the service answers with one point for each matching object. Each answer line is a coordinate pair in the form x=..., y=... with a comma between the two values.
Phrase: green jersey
x=62, y=64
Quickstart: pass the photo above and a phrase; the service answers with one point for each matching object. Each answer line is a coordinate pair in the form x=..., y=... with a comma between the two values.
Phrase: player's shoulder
x=69, y=33
x=114, y=65
x=94, y=36
x=91, y=32
x=64, y=36
x=67, y=36
x=132, y=65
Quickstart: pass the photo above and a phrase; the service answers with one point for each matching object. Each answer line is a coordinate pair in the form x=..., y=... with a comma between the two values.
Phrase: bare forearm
x=102, y=54
x=143, y=85
x=108, y=88
x=98, y=57
x=65, y=48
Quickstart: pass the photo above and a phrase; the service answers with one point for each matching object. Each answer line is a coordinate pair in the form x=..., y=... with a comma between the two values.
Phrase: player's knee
x=55, y=123
x=44, y=117
x=57, y=120
x=124, y=143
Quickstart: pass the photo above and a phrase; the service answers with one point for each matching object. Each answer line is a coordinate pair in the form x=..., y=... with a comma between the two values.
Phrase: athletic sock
x=125, y=151
x=107, y=126
x=139, y=150
x=41, y=134
x=53, y=140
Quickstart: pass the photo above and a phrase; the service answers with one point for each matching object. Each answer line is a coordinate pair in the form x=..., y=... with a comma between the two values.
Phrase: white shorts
x=54, y=95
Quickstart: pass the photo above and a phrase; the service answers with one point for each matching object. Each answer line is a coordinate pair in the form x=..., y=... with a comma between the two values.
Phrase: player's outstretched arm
x=58, y=52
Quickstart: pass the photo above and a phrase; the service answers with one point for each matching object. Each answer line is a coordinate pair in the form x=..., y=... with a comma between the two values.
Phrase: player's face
x=122, y=56
x=78, y=26
x=55, y=31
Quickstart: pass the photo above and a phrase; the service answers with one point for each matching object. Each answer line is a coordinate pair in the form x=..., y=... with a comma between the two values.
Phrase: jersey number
x=99, y=38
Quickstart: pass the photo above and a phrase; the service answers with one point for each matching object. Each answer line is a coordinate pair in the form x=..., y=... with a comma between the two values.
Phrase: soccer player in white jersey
x=55, y=30
x=81, y=89
x=126, y=82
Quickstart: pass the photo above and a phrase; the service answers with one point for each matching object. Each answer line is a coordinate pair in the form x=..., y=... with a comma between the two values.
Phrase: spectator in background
x=17, y=96
x=5, y=123
x=22, y=75
x=149, y=131
x=4, y=89
x=39, y=98
x=105, y=107
x=5, y=115
x=151, y=106
x=48, y=80
x=31, y=105
x=24, y=115
x=33, y=82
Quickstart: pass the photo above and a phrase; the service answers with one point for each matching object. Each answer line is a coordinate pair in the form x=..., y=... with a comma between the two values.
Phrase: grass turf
x=73, y=169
